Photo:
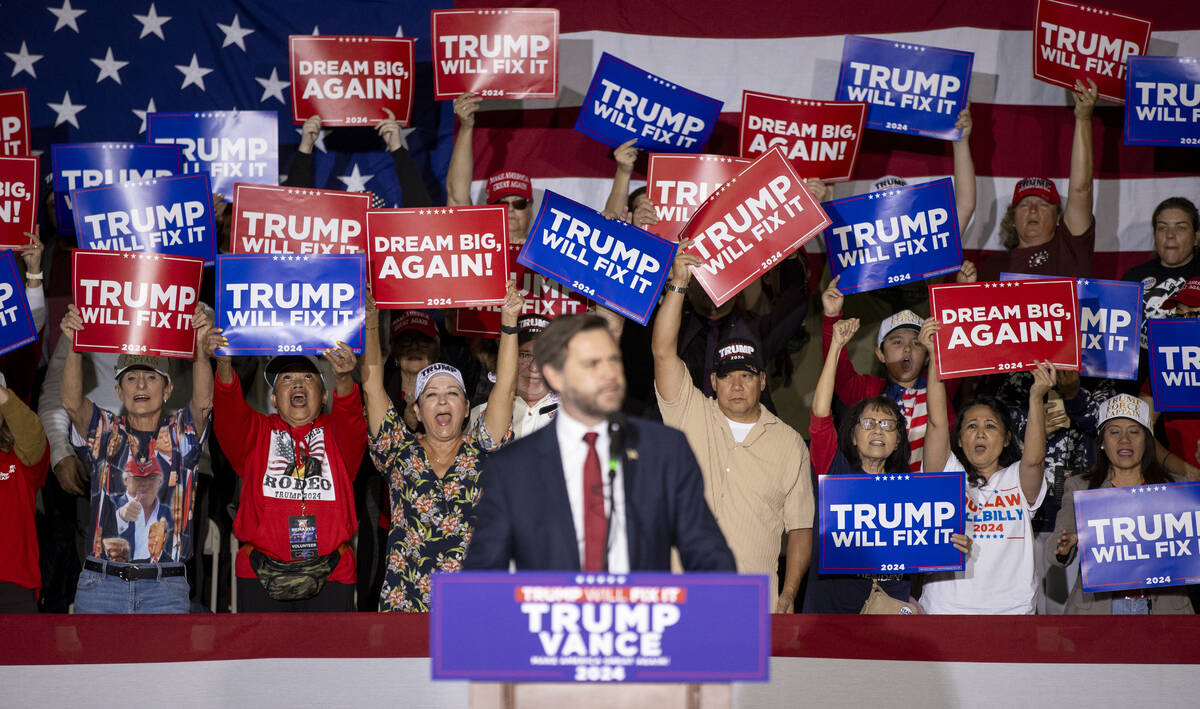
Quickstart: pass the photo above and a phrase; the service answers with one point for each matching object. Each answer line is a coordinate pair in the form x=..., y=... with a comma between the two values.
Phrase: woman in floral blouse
x=433, y=473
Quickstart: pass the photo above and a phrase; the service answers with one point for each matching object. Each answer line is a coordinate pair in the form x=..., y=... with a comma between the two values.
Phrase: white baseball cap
x=437, y=369
x=904, y=318
x=1124, y=406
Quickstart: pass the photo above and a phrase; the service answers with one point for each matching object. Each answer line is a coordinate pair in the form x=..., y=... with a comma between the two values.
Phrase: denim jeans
x=98, y=592
x=1130, y=606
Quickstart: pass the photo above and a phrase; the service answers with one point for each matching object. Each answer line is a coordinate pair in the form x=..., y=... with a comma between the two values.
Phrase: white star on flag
x=23, y=61
x=273, y=87
x=142, y=114
x=109, y=67
x=66, y=16
x=320, y=141
x=193, y=74
x=66, y=110
x=355, y=181
x=316, y=31
x=234, y=33
x=404, y=133
x=152, y=22
x=400, y=33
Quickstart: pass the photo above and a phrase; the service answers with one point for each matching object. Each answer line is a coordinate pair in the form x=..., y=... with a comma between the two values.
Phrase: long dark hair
x=1152, y=472
x=1011, y=452
x=897, y=462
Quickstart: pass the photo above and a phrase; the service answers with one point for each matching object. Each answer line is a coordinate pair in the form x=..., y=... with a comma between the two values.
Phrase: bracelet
x=33, y=276
x=676, y=289
x=510, y=329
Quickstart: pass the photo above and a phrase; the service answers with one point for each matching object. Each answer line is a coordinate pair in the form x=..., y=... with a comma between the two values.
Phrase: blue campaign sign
x=575, y=627
x=1174, y=349
x=287, y=303
x=1138, y=537
x=1110, y=325
x=910, y=88
x=16, y=321
x=614, y=263
x=83, y=165
x=231, y=146
x=890, y=523
x=626, y=102
x=894, y=236
x=1162, y=101
x=168, y=215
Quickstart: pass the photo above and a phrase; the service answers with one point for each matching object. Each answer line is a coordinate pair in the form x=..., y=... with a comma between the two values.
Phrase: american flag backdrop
x=94, y=67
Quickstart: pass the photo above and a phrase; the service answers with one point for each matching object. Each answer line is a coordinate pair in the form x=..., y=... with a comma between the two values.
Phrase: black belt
x=130, y=572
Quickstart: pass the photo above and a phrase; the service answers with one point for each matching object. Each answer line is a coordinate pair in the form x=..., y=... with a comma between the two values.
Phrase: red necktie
x=595, y=524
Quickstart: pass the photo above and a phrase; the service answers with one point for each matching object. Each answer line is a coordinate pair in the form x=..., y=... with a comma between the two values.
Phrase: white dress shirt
x=574, y=452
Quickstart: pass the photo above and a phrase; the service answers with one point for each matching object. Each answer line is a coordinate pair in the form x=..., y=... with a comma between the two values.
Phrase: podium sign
x=603, y=628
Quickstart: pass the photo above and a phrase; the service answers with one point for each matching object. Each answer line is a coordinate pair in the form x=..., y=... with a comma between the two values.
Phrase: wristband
x=510, y=329
x=33, y=276
x=676, y=289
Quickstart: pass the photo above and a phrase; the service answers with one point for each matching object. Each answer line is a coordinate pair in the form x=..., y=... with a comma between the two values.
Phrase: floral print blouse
x=432, y=518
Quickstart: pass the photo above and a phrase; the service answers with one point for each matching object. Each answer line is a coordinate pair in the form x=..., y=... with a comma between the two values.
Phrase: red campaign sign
x=753, y=222
x=510, y=53
x=136, y=302
x=448, y=257
x=1005, y=326
x=18, y=200
x=14, y=122
x=543, y=296
x=679, y=183
x=348, y=81
x=1073, y=41
x=821, y=138
x=290, y=220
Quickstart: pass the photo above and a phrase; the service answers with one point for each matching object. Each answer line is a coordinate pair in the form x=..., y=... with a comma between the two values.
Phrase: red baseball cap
x=1038, y=187
x=1188, y=294
x=416, y=321
x=508, y=183
x=142, y=470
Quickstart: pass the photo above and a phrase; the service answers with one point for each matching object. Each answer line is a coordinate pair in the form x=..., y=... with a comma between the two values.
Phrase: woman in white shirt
x=1005, y=486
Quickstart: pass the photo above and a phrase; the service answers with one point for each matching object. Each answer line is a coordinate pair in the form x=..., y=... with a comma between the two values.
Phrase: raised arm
x=412, y=187
x=843, y=332
x=669, y=370
x=1078, y=213
x=625, y=155
x=937, y=421
x=462, y=159
x=498, y=415
x=1033, y=458
x=202, y=375
x=377, y=400
x=964, y=170
x=77, y=406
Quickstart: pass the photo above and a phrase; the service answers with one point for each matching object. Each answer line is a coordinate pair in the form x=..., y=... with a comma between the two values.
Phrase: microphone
x=616, y=445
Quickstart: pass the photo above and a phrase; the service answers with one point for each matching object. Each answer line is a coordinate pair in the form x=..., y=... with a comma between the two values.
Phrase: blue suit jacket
x=524, y=514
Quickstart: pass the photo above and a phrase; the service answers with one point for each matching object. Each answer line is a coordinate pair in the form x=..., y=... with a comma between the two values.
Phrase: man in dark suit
x=546, y=505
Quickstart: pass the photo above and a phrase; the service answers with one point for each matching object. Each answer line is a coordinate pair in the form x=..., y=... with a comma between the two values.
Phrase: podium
x=510, y=695
x=602, y=641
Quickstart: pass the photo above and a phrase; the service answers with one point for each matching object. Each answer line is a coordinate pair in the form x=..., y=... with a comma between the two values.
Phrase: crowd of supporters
x=347, y=481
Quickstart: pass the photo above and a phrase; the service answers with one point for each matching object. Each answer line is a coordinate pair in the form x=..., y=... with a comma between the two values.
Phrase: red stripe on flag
x=1008, y=141
x=787, y=18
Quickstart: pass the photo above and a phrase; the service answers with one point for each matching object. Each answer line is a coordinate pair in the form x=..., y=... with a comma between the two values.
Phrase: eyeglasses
x=524, y=357
x=518, y=204
x=885, y=425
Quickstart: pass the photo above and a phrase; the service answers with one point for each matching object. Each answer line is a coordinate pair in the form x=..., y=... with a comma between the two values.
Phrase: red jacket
x=260, y=448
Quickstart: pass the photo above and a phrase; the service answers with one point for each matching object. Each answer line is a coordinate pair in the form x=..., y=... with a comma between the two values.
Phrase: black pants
x=333, y=598
x=17, y=599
